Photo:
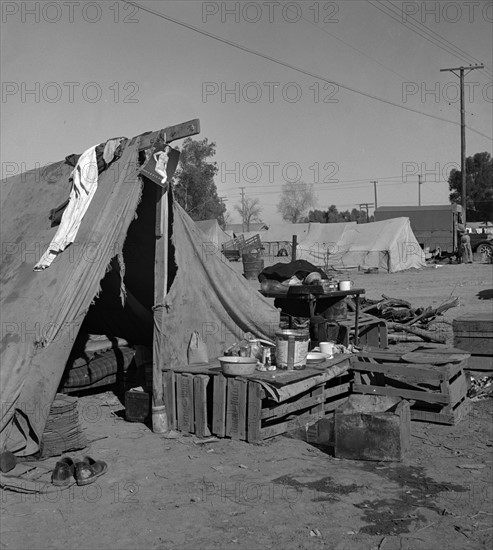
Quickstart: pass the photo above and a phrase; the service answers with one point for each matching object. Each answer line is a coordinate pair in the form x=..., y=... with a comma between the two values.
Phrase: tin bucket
x=292, y=349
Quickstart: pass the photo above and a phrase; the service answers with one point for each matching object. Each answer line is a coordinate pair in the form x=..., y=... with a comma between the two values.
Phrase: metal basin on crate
x=238, y=366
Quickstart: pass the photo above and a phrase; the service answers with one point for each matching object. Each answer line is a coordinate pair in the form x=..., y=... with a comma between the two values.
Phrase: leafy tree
x=296, y=198
x=195, y=189
x=249, y=211
x=332, y=215
x=479, y=187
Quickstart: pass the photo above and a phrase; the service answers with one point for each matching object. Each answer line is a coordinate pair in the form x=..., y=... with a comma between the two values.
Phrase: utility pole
x=366, y=205
x=243, y=209
x=375, y=191
x=463, y=129
x=419, y=190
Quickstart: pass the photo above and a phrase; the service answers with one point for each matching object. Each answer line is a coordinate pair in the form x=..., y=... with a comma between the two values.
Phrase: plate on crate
x=315, y=357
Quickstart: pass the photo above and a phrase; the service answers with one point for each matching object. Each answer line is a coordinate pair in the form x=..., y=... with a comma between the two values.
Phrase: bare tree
x=226, y=220
x=296, y=199
x=249, y=211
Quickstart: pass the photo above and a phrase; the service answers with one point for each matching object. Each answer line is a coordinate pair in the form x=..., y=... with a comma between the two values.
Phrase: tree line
x=196, y=192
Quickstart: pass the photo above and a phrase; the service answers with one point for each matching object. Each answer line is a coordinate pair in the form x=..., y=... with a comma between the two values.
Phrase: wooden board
x=449, y=417
x=425, y=396
x=480, y=363
x=254, y=412
x=184, y=402
x=219, y=406
x=478, y=346
x=200, y=405
x=236, y=401
x=178, y=131
x=414, y=372
x=474, y=322
x=170, y=398
x=429, y=358
x=457, y=390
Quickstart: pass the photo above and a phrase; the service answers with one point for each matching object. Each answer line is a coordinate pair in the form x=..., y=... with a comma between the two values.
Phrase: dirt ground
x=284, y=494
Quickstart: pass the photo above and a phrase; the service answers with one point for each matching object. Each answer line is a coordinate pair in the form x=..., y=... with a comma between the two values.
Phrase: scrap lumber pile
x=409, y=324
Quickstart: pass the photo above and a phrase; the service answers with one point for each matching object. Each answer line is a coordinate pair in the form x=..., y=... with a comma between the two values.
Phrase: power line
x=262, y=186
x=293, y=67
x=354, y=48
x=423, y=31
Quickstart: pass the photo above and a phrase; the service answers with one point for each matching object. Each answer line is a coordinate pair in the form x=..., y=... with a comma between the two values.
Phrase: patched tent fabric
x=42, y=312
x=210, y=297
x=389, y=245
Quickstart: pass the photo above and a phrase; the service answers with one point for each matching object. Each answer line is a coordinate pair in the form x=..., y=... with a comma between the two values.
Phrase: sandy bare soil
x=284, y=494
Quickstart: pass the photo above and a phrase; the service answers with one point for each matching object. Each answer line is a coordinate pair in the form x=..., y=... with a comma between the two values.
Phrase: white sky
x=132, y=71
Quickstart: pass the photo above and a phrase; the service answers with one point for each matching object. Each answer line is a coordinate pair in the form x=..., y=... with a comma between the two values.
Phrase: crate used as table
x=201, y=400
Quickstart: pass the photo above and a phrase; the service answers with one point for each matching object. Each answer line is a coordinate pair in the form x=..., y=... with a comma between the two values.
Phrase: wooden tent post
x=169, y=134
x=294, y=244
x=159, y=417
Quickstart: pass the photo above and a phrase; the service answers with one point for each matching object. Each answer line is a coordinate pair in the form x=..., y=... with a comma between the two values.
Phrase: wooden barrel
x=252, y=266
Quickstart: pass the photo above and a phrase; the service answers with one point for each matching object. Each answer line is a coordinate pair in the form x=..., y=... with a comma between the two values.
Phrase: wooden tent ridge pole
x=172, y=133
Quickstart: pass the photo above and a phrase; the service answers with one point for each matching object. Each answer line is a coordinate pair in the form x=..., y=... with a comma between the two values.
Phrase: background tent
x=42, y=312
x=280, y=236
x=389, y=245
x=213, y=232
x=321, y=241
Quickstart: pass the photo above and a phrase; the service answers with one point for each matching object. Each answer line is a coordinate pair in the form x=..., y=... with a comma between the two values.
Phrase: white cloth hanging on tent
x=84, y=186
x=161, y=159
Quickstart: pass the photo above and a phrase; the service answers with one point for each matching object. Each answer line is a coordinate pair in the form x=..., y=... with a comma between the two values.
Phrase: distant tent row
x=389, y=245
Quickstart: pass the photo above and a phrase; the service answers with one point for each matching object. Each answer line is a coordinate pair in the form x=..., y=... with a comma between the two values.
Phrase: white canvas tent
x=389, y=245
x=280, y=236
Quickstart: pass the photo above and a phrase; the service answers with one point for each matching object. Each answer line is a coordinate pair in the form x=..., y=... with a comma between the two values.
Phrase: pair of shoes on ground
x=85, y=471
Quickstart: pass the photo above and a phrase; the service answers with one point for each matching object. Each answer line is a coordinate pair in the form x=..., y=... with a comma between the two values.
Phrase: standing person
x=465, y=248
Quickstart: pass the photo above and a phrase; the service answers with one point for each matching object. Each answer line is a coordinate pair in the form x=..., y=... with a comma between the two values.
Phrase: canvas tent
x=212, y=232
x=321, y=241
x=42, y=312
x=389, y=245
x=280, y=236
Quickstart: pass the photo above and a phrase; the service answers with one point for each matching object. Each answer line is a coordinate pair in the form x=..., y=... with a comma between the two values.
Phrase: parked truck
x=433, y=226
x=436, y=226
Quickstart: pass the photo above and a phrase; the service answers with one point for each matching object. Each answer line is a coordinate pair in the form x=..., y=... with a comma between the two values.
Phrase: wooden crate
x=474, y=333
x=372, y=331
x=439, y=392
x=206, y=402
x=186, y=397
x=267, y=418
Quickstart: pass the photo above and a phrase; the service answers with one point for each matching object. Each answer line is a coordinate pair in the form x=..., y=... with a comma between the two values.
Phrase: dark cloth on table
x=281, y=271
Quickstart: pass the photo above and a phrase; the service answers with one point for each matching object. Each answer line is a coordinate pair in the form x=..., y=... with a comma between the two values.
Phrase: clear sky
x=75, y=73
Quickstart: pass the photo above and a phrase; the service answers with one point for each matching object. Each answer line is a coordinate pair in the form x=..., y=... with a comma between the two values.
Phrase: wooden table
x=316, y=301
